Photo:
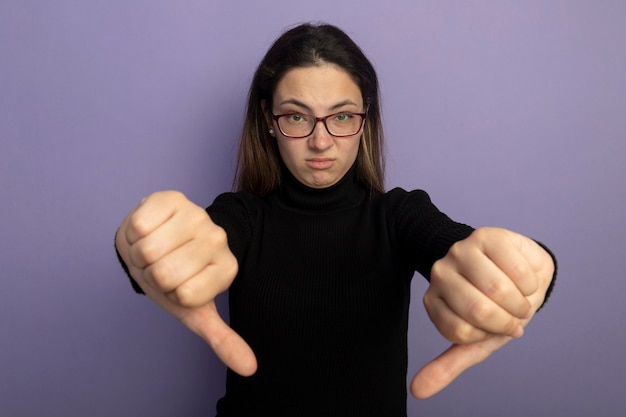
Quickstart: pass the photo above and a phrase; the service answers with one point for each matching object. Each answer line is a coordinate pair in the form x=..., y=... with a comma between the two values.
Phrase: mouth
x=320, y=163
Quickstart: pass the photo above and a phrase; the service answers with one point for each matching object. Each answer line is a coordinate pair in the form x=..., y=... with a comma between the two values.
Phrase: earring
x=271, y=132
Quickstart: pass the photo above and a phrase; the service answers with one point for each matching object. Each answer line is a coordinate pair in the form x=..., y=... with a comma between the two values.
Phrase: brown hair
x=258, y=159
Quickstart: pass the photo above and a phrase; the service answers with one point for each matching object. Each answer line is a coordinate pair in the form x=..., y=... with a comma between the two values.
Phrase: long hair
x=258, y=159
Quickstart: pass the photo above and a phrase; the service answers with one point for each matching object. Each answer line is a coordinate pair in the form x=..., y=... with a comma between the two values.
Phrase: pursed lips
x=320, y=163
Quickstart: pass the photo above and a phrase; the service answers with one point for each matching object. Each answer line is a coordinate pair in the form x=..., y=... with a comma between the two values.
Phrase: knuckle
x=432, y=301
x=512, y=325
x=520, y=269
x=175, y=195
x=147, y=251
x=498, y=290
x=161, y=274
x=462, y=333
x=481, y=236
x=196, y=215
x=456, y=250
x=219, y=237
x=438, y=272
x=481, y=233
x=172, y=196
x=186, y=296
x=139, y=224
x=232, y=266
x=480, y=312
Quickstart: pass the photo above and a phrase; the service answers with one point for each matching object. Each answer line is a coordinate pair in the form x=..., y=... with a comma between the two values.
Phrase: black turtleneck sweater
x=322, y=295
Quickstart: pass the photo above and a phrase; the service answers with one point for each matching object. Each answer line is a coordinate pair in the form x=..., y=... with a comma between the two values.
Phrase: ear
x=268, y=118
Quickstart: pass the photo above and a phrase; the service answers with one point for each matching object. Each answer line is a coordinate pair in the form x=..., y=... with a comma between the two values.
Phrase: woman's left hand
x=481, y=295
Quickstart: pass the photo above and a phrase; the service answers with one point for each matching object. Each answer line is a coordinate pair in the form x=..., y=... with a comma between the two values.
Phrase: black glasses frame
x=317, y=120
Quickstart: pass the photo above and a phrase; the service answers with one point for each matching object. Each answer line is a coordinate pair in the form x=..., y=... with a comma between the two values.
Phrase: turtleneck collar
x=347, y=192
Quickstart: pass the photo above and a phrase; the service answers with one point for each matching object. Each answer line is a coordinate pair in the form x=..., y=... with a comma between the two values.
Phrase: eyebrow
x=304, y=106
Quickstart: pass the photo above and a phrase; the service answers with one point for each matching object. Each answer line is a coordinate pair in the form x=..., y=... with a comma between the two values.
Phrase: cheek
x=287, y=150
x=354, y=148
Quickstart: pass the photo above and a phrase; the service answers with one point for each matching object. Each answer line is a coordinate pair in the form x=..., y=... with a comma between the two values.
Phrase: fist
x=172, y=247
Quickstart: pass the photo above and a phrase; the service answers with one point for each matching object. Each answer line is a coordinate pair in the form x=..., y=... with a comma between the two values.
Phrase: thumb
x=445, y=368
x=229, y=346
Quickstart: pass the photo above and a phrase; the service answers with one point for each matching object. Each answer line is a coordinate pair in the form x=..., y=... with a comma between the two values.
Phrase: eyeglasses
x=298, y=125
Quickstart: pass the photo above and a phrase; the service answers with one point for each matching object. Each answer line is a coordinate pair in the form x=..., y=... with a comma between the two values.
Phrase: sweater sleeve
x=425, y=234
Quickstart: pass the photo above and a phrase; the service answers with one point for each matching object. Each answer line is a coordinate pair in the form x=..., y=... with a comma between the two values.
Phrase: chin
x=323, y=184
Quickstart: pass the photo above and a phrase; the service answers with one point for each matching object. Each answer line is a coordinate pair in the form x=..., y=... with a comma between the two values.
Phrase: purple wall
x=509, y=113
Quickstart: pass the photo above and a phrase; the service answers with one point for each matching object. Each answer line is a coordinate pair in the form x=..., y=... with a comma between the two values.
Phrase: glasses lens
x=296, y=124
x=344, y=124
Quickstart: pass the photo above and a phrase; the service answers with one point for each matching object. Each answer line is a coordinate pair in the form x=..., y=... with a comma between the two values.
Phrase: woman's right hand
x=181, y=260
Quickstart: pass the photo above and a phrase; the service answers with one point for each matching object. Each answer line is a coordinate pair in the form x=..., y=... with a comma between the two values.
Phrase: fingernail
x=519, y=332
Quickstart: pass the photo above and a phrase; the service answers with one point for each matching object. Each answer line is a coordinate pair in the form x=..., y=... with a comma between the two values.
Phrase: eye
x=295, y=118
x=343, y=117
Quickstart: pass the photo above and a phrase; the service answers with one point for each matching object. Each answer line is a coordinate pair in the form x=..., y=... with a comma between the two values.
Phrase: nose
x=320, y=139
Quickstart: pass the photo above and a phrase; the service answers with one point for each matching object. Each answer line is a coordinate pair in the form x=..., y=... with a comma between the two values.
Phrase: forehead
x=317, y=85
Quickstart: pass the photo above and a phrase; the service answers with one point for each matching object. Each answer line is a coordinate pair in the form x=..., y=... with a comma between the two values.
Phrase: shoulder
x=398, y=192
x=399, y=199
x=237, y=197
x=239, y=207
x=235, y=201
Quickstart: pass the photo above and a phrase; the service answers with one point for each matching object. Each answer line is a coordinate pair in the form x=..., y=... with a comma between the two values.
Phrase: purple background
x=509, y=113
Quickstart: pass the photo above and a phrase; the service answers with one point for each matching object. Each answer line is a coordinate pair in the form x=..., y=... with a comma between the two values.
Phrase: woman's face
x=320, y=159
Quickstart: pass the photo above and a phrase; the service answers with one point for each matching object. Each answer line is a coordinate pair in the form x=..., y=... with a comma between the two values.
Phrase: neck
x=347, y=192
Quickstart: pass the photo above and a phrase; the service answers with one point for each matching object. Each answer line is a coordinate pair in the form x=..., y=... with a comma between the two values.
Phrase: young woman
x=318, y=258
